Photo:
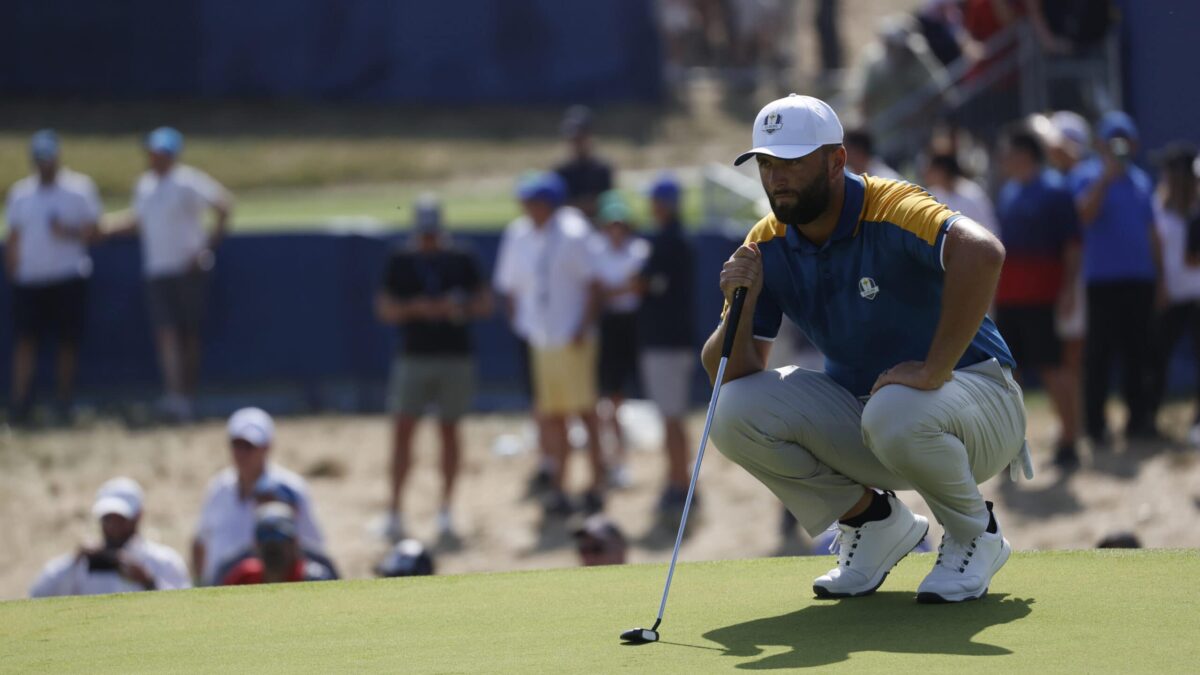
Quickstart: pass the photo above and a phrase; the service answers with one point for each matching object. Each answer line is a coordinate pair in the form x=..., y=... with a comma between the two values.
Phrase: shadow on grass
x=829, y=632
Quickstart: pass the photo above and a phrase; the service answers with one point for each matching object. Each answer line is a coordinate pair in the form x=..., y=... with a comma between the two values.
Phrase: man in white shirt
x=51, y=216
x=124, y=562
x=944, y=180
x=169, y=203
x=546, y=274
x=226, y=527
x=861, y=158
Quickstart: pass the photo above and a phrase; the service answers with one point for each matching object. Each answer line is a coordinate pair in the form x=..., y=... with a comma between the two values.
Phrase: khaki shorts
x=443, y=383
x=564, y=378
x=666, y=378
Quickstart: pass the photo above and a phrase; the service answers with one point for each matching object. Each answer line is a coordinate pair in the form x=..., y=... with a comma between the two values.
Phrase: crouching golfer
x=917, y=392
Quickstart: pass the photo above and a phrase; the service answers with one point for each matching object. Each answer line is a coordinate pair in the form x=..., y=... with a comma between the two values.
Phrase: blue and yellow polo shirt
x=870, y=297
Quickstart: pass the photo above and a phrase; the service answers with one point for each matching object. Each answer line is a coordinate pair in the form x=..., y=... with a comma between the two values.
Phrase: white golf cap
x=121, y=496
x=793, y=127
x=252, y=425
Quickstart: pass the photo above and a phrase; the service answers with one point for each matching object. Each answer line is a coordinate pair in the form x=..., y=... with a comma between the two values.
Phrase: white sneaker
x=964, y=571
x=866, y=554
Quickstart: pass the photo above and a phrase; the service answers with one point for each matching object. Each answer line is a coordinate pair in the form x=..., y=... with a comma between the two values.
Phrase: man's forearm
x=970, y=284
x=745, y=358
x=1090, y=203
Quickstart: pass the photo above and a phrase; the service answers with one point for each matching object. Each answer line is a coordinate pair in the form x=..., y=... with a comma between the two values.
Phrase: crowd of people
x=53, y=217
x=1102, y=269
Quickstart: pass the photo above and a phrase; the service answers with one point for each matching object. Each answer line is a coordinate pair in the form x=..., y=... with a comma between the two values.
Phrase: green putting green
x=1085, y=611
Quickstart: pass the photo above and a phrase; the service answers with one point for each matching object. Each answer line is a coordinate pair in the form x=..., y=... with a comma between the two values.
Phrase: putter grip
x=732, y=319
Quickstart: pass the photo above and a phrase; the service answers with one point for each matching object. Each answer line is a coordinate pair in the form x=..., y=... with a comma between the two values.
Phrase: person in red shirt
x=1040, y=230
x=278, y=557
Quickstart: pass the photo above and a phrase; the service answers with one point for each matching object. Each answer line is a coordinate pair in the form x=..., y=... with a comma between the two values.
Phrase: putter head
x=639, y=636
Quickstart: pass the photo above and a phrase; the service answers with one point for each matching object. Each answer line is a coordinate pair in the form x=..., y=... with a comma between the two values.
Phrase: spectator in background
x=945, y=180
x=899, y=89
x=665, y=325
x=169, y=203
x=829, y=37
x=1068, y=141
x=1070, y=26
x=942, y=27
x=227, y=519
x=1121, y=268
x=547, y=277
x=1040, y=233
x=585, y=175
x=52, y=215
x=123, y=562
x=277, y=555
x=619, y=255
x=270, y=490
x=860, y=156
x=431, y=291
x=1176, y=206
x=408, y=558
x=600, y=542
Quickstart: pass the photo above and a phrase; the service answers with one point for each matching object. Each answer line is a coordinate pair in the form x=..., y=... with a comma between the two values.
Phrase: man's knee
x=893, y=423
x=732, y=426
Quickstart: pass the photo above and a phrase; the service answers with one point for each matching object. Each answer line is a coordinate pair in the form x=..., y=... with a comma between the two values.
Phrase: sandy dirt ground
x=48, y=478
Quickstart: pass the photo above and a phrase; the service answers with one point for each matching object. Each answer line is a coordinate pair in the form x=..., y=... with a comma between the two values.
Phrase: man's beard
x=810, y=203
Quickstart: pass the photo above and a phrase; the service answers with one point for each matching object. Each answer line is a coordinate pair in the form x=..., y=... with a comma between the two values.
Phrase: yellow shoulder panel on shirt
x=767, y=229
x=904, y=205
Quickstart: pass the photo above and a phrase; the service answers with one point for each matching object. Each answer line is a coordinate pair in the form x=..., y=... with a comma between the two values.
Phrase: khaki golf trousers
x=815, y=445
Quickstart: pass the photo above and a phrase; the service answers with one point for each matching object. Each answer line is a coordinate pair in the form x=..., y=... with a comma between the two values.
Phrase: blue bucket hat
x=43, y=145
x=1116, y=123
x=166, y=140
x=544, y=186
x=665, y=188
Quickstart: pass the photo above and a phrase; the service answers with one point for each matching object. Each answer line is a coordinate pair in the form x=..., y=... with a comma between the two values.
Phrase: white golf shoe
x=964, y=570
x=866, y=554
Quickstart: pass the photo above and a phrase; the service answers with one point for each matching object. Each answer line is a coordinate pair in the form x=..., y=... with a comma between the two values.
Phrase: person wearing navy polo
x=1121, y=269
x=917, y=393
x=1040, y=232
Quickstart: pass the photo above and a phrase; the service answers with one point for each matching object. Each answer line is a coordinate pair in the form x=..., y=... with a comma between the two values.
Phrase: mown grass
x=1083, y=611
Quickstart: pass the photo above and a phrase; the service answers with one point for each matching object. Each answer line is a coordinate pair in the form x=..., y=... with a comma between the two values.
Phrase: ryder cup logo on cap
x=793, y=127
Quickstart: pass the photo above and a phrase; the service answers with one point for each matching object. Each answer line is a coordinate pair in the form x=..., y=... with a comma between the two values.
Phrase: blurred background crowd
x=582, y=310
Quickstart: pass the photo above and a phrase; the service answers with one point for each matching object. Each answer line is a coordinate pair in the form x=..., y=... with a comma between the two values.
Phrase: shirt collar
x=848, y=219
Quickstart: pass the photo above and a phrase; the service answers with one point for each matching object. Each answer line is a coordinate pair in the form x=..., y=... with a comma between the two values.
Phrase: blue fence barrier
x=290, y=317
x=469, y=51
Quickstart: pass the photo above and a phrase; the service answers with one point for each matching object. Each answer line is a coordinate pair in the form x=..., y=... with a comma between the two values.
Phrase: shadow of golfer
x=829, y=632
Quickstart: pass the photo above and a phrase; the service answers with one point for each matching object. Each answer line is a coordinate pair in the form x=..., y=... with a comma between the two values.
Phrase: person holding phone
x=1122, y=267
x=122, y=562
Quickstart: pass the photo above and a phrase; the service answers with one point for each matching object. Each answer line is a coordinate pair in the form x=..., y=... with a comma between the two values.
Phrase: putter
x=644, y=635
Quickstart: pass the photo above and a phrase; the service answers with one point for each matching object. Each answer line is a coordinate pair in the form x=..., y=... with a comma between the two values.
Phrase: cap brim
x=107, y=506
x=780, y=151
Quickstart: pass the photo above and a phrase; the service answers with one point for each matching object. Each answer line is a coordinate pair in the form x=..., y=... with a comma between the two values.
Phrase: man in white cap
x=917, y=392
x=123, y=562
x=52, y=217
x=226, y=527
x=170, y=201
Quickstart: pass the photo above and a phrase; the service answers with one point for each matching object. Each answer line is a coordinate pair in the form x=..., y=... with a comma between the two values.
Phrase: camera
x=104, y=560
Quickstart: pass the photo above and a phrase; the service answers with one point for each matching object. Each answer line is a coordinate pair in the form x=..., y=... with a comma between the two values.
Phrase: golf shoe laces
x=955, y=556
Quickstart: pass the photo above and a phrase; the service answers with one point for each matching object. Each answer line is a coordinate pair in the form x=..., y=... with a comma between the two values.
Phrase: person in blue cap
x=546, y=274
x=52, y=217
x=431, y=291
x=170, y=201
x=1122, y=271
x=666, y=344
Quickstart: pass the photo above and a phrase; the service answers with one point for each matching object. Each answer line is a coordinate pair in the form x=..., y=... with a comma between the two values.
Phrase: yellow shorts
x=564, y=378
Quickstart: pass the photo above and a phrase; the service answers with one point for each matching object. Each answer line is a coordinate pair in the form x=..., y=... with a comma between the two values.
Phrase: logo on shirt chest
x=867, y=288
